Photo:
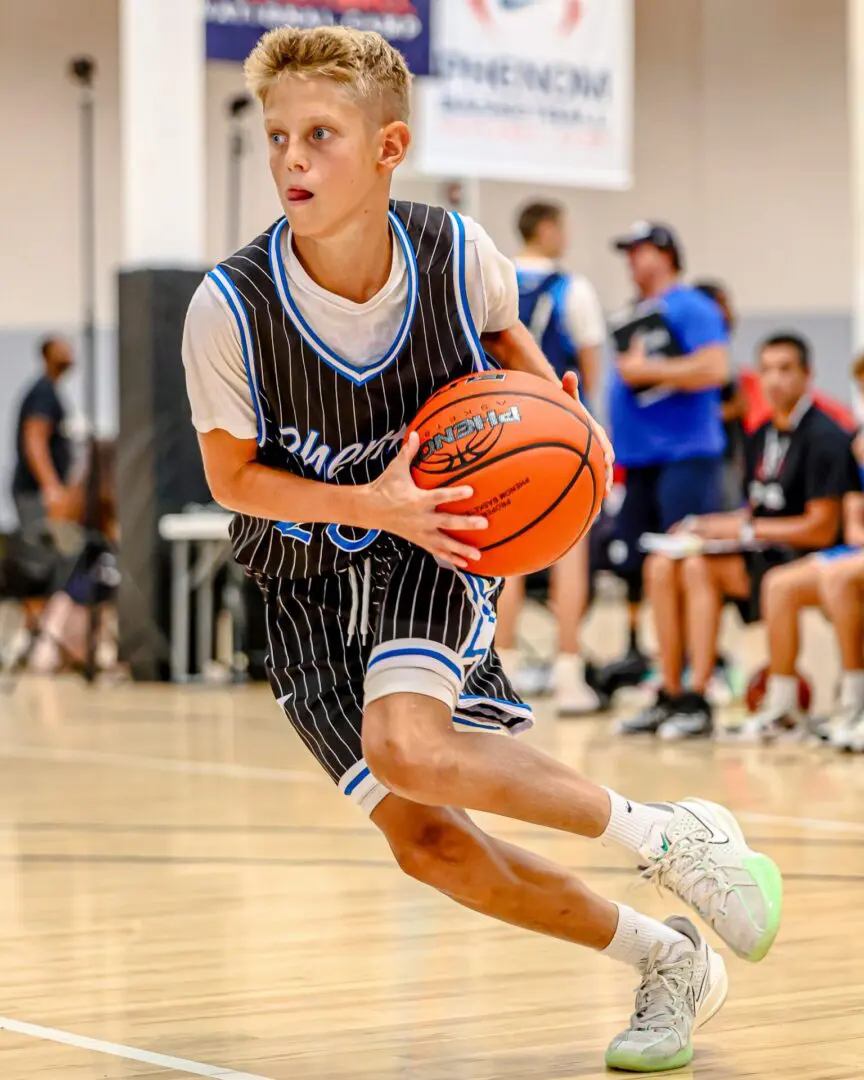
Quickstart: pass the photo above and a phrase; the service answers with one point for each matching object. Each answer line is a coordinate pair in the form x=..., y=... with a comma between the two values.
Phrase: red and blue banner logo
x=234, y=26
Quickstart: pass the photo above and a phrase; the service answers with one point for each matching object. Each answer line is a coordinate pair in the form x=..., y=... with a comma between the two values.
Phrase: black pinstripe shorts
x=395, y=621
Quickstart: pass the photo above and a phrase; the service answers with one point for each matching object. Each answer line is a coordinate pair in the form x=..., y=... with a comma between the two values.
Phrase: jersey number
x=333, y=534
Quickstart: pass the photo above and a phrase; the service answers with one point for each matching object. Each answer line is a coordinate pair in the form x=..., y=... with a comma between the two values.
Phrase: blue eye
x=320, y=133
x=277, y=138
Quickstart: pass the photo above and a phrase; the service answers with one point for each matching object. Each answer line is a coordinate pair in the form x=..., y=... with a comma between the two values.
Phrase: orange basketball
x=531, y=457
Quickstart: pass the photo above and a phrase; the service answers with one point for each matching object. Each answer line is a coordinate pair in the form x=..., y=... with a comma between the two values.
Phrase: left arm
x=493, y=296
x=516, y=350
x=705, y=368
x=816, y=528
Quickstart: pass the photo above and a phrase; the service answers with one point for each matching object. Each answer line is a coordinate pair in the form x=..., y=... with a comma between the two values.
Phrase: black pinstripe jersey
x=319, y=416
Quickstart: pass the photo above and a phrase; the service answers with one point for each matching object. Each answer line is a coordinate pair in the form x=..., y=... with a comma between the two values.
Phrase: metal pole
x=82, y=70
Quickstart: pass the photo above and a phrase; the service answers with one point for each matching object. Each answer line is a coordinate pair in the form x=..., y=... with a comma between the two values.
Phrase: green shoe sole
x=625, y=1062
x=767, y=876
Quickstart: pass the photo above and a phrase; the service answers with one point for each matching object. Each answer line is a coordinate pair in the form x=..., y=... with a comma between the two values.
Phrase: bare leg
x=840, y=587
x=509, y=607
x=411, y=747
x=570, y=596
x=786, y=590
x=443, y=848
x=663, y=588
x=707, y=580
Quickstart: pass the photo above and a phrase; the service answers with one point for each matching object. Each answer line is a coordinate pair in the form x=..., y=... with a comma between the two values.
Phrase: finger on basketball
x=459, y=523
x=409, y=450
x=439, y=496
x=462, y=551
x=570, y=384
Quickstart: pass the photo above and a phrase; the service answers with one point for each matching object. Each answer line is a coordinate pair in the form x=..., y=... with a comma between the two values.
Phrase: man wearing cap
x=665, y=403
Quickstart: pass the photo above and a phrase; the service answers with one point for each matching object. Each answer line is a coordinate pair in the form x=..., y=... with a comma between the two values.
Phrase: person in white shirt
x=564, y=315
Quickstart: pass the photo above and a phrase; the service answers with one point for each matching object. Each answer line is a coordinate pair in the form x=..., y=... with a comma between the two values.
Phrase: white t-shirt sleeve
x=216, y=380
x=586, y=323
x=490, y=279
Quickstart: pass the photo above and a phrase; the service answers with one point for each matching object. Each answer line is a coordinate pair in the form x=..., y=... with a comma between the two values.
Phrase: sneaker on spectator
x=573, y=695
x=780, y=718
x=650, y=719
x=772, y=725
x=850, y=737
x=528, y=678
x=691, y=718
x=533, y=679
x=840, y=730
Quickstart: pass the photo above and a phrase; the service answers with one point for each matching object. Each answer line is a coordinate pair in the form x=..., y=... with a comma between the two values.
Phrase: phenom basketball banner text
x=234, y=26
x=551, y=77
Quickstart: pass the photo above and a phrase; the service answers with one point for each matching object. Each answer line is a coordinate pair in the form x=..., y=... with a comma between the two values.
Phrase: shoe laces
x=687, y=870
x=661, y=997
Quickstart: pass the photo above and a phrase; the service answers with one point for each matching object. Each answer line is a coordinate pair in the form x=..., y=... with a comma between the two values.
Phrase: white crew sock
x=852, y=690
x=631, y=823
x=634, y=936
x=781, y=694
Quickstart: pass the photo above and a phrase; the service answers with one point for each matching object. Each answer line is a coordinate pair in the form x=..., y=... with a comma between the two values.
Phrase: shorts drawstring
x=361, y=599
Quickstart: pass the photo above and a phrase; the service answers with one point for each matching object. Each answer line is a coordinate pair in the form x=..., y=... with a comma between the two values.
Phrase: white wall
x=741, y=142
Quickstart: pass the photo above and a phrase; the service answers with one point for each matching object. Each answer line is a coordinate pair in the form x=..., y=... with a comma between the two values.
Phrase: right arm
x=35, y=437
x=224, y=417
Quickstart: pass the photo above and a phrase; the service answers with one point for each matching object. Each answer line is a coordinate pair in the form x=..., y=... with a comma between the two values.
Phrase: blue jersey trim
x=238, y=309
x=481, y=362
x=357, y=375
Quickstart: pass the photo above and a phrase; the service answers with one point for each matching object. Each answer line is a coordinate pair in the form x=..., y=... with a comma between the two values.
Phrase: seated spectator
x=797, y=474
x=833, y=580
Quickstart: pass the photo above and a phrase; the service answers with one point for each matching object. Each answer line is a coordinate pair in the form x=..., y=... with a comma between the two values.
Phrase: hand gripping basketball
x=570, y=385
x=404, y=509
x=536, y=461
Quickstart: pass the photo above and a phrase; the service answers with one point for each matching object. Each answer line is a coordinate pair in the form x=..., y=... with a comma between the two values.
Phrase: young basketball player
x=307, y=353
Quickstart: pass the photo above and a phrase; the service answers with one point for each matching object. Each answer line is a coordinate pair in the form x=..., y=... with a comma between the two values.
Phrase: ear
x=395, y=138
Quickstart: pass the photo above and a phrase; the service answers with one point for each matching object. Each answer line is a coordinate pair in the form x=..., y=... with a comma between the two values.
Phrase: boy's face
x=329, y=156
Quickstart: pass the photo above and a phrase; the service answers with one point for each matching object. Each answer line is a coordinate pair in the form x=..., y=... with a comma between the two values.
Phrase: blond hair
x=361, y=61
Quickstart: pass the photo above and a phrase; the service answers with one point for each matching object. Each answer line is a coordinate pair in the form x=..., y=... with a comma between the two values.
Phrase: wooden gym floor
x=184, y=894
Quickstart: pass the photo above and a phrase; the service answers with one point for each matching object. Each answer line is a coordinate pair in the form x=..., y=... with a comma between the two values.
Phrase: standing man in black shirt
x=43, y=448
x=798, y=468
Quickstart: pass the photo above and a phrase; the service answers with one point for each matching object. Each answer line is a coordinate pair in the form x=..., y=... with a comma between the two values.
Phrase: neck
x=532, y=251
x=354, y=262
x=783, y=418
x=661, y=284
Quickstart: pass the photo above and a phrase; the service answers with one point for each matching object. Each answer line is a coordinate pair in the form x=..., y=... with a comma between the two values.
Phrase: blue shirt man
x=665, y=393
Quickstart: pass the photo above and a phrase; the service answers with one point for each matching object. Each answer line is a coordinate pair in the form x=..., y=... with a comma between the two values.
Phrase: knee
x=834, y=580
x=696, y=572
x=438, y=852
x=404, y=750
x=782, y=590
x=660, y=572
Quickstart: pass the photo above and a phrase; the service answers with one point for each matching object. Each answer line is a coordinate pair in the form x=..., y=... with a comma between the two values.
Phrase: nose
x=296, y=158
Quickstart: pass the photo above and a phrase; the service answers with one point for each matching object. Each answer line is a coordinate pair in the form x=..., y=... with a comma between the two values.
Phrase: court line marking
x=376, y=864
x=227, y=770
x=816, y=824
x=162, y=1061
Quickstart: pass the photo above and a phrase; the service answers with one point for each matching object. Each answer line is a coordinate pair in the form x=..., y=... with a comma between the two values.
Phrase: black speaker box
x=159, y=469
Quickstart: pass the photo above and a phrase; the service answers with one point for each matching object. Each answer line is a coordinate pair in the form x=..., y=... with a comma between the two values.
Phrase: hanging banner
x=234, y=26
x=531, y=90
